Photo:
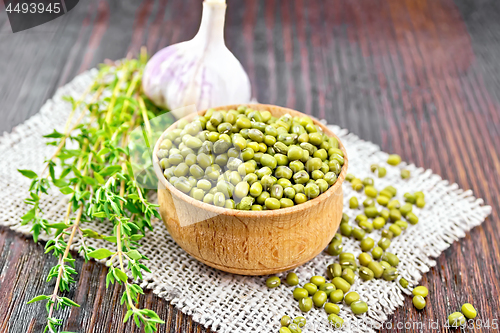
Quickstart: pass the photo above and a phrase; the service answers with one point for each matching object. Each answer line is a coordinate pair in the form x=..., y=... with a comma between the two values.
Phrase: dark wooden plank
x=420, y=78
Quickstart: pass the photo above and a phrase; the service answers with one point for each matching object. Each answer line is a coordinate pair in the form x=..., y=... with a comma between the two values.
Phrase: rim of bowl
x=249, y=213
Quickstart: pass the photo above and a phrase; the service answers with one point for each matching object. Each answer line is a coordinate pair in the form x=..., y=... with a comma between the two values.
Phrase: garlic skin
x=201, y=71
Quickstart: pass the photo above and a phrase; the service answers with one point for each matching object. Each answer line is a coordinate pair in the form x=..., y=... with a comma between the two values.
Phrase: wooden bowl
x=251, y=242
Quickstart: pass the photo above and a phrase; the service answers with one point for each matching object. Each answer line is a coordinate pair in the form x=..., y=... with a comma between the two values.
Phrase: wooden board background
x=419, y=78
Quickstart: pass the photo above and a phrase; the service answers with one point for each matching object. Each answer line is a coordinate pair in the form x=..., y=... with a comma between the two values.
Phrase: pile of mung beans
x=375, y=261
x=247, y=159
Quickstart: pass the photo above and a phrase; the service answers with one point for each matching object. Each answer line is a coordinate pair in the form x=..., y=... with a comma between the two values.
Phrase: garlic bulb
x=201, y=71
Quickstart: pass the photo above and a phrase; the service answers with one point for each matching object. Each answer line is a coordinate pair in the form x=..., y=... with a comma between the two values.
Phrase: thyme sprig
x=92, y=166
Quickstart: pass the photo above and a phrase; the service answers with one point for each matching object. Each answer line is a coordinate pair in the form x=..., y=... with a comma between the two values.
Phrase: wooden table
x=419, y=78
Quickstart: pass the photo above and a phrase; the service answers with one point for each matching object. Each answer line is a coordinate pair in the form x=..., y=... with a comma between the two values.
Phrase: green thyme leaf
x=119, y=274
x=54, y=135
x=38, y=298
x=134, y=254
x=100, y=254
x=28, y=173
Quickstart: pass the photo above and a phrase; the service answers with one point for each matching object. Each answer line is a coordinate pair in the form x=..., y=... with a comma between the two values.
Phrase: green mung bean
x=311, y=288
x=341, y=284
x=335, y=320
x=299, y=293
x=384, y=213
x=393, y=159
x=358, y=233
x=351, y=297
x=381, y=171
x=367, y=244
x=390, y=274
x=376, y=268
x=328, y=288
x=292, y=279
x=420, y=290
x=469, y=311
x=319, y=298
x=378, y=223
x=345, y=229
x=337, y=237
x=391, y=258
x=403, y=282
x=348, y=275
x=382, y=200
x=371, y=211
x=420, y=202
x=377, y=252
x=335, y=248
x=348, y=263
x=353, y=203
x=366, y=274
x=359, y=307
x=386, y=233
x=393, y=204
x=366, y=226
x=333, y=270
x=285, y=321
x=356, y=184
x=368, y=181
x=371, y=191
x=384, y=243
x=406, y=209
x=402, y=224
x=294, y=328
x=318, y=280
x=395, y=229
x=410, y=198
x=346, y=256
x=332, y=308
x=419, y=302
x=368, y=202
x=364, y=259
x=412, y=218
x=273, y=282
x=360, y=218
x=337, y=296
x=306, y=304
x=456, y=319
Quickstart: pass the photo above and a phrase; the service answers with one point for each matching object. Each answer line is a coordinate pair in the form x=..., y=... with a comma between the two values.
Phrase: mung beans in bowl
x=250, y=189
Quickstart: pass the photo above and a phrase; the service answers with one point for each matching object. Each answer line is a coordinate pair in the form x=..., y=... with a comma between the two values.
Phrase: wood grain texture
x=251, y=242
x=420, y=78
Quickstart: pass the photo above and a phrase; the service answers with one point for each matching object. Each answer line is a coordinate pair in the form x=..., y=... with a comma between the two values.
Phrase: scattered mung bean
x=318, y=280
x=335, y=320
x=300, y=321
x=394, y=159
x=273, y=282
x=456, y=319
x=319, y=298
x=337, y=296
x=332, y=308
x=311, y=288
x=328, y=288
x=469, y=311
x=420, y=291
x=359, y=307
x=306, y=304
x=299, y=293
x=351, y=297
x=292, y=279
x=419, y=302
x=285, y=321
